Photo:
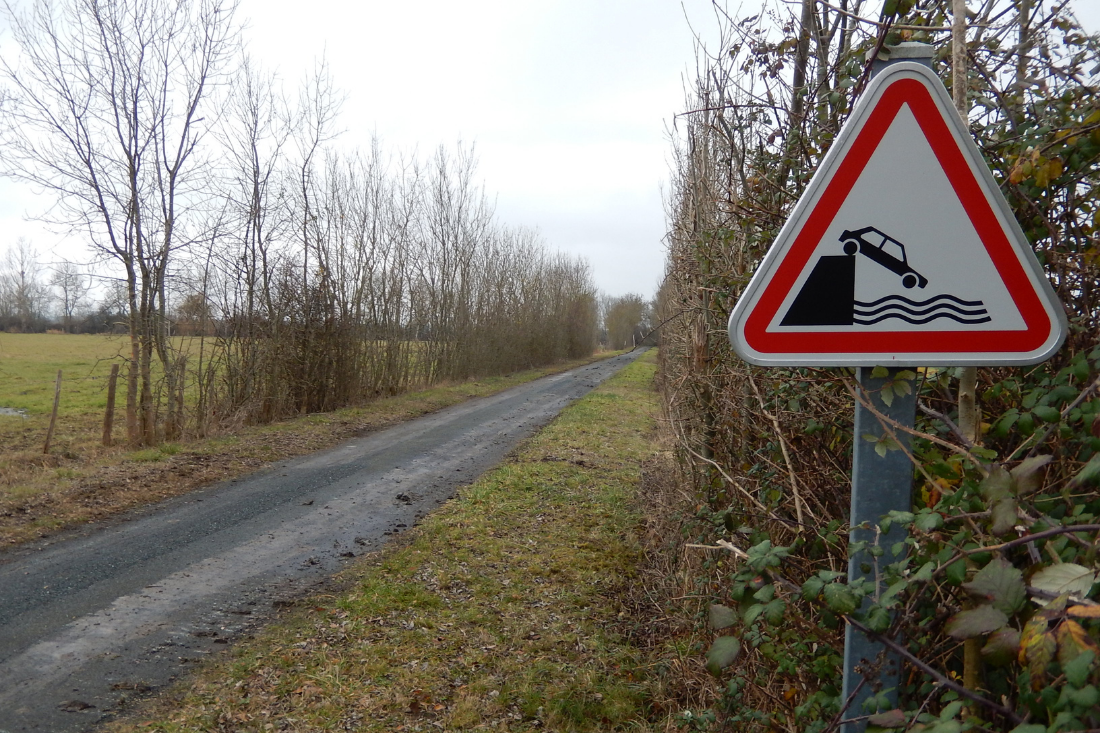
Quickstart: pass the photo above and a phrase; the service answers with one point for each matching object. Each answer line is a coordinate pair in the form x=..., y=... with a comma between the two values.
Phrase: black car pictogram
x=875, y=244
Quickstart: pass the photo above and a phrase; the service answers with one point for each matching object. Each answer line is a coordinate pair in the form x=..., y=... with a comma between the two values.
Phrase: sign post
x=901, y=252
x=880, y=484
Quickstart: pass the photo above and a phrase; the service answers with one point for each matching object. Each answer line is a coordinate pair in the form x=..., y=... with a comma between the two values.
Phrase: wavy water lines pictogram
x=916, y=312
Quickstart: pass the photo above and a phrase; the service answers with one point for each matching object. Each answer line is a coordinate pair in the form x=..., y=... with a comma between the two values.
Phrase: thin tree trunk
x=109, y=415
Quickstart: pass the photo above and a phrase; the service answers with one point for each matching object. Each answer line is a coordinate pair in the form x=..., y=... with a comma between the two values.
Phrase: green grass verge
x=502, y=610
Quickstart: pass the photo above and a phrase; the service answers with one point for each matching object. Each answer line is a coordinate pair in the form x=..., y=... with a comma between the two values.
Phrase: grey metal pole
x=879, y=484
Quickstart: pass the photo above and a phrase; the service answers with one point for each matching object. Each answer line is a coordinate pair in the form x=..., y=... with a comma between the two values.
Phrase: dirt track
x=89, y=620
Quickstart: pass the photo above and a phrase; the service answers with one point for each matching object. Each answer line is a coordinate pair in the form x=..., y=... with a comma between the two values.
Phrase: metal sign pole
x=880, y=483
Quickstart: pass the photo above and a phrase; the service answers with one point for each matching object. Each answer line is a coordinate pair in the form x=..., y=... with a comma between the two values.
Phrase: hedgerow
x=992, y=609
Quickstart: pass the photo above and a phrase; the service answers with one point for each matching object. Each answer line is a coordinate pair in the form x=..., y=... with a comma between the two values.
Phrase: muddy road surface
x=90, y=620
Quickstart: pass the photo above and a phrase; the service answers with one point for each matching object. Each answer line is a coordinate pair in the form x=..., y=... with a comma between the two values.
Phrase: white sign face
x=901, y=251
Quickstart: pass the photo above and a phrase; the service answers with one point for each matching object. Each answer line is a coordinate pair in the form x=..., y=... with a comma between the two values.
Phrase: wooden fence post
x=53, y=415
x=109, y=416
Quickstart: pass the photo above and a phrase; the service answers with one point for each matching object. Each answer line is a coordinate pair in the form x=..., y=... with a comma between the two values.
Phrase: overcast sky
x=567, y=103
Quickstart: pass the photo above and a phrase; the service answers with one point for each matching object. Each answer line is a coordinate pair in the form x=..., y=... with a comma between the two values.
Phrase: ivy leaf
x=840, y=598
x=720, y=617
x=975, y=622
x=1066, y=577
x=722, y=653
x=1028, y=476
x=1002, y=648
x=1001, y=584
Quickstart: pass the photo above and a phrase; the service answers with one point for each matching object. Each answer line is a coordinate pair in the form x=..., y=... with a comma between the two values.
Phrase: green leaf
x=925, y=573
x=886, y=394
x=765, y=594
x=1001, y=584
x=773, y=612
x=975, y=622
x=1002, y=648
x=753, y=612
x=1066, y=577
x=956, y=572
x=1077, y=669
x=1006, y=422
x=840, y=598
x=880, y=372
x=763, y=555
x=1029, y=728
x=812, y=587
x=1090, y=474
x=928, y=522
x=1086, y=697
x=720, y=617
x=1003, y=516
x=889, y=598
x=1046, y=413
x=879, y=619
x=951, y=710
x=722, y=653
x=1028, y=476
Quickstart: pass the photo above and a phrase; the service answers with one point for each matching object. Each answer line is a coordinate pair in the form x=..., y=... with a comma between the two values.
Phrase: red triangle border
x=911, y=92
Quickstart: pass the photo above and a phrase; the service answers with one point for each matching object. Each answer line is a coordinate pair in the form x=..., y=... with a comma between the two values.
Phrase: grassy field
x=81, y=481
x=28, y=370
x=503, y=610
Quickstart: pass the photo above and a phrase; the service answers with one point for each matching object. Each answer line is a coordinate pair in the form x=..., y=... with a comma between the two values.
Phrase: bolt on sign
x=901, y=251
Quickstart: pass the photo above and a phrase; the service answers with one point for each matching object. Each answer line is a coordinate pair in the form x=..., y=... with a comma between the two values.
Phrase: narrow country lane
x=89, y=621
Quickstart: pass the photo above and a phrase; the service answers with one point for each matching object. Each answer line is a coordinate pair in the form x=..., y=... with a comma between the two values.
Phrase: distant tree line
x=301, y=276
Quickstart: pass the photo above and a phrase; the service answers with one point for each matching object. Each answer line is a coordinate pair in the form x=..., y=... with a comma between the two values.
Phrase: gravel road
x=90, y=620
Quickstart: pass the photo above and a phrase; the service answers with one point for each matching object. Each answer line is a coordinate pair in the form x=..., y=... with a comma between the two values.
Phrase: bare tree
x=72, y=288
x=106, y=105
x=22, y=295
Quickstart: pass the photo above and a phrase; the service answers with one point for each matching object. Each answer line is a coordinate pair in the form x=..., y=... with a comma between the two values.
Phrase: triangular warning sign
x=901, y=251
